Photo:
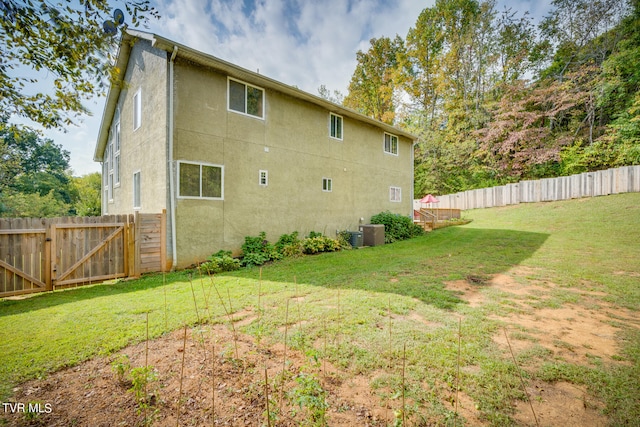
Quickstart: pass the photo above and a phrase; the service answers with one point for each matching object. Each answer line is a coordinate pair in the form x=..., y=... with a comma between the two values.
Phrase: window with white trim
x=116, y=155
x=108, y=169
x=390, y=144
x=105, y=178
x=136, y=190
x=110, y=189
x=137, y=109
x=263, y=178
x=395, y=194
x=200, y=181
x=335, y=126
x=246, y=99
x=327, y=184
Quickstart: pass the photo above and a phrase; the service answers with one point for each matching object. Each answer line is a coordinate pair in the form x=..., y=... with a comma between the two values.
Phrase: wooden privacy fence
x=42, y=254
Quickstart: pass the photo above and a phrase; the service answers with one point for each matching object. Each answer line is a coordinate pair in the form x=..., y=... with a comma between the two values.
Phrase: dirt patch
x=468, y=292
x=91, y=395
x=559, y=404
x=581, y=332
x=571, y=333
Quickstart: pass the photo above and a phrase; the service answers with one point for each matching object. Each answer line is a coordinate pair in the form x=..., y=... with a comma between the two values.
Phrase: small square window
x=327, y=184
x=390, y=144
x=263, y=178
x=395, y=194
x=335, y=130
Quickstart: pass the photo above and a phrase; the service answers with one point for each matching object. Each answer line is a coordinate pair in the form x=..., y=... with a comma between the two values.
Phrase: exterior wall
x=144, y=149
x=293, y=144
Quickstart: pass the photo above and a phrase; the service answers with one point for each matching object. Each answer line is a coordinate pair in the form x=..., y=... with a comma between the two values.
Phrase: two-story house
x=229, y=153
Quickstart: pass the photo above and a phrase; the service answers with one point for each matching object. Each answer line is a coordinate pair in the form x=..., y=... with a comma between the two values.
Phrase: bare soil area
x=205, y=382
x=91, y=395
x=577, y=333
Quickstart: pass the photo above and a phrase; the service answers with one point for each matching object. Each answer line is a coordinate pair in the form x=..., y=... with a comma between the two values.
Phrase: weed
x=32, y=412
x=141, y=378
x=121, y=368
x=310, y=395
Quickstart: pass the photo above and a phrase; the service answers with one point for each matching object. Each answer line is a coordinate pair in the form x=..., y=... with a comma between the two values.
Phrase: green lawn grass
x=590, y=244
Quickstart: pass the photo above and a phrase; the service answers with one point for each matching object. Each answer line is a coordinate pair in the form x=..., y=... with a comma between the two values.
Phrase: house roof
x=127, y=42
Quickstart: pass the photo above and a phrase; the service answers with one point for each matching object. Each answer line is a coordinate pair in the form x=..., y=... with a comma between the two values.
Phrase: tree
x=372, y=89
x=88, y=189
x=65, y=40
x=575, y=27
x=425, y=45
x=532, y=123
x=336, y=96
x=516, y=41
x=36, y=171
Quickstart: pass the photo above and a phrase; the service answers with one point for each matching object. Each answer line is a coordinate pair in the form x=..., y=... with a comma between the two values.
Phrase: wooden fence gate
x=41, y=254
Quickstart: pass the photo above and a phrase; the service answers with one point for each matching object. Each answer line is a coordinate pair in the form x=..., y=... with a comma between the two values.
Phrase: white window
x=116, y=155
x=327, y=184
x=246, y=99
x=200, y=181
x=395, y=194
x=136, y=190
x=263, y=178
x=110, y=189
x=137, y=109
x=108, y=181
x=335, y=126
x=390, y=144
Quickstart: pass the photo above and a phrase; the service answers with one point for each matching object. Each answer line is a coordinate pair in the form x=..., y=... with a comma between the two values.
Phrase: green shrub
x=257, y=250
x=288, y=245
x=344, y=237
x=219, y=262
x=396, y=226
x=314, y=245
x=313, y=234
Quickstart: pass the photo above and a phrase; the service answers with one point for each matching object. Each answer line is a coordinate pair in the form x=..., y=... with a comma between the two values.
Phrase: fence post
x=163, y=240
x=126, y=237
x=136, y=241
x=53, y=266
x=48, y=240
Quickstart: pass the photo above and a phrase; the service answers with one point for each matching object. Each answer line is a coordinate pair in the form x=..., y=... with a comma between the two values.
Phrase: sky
x=304, y=43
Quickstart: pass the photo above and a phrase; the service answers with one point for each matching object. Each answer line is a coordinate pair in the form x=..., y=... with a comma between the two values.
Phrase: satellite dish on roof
x=118, y=17
x=109, y=27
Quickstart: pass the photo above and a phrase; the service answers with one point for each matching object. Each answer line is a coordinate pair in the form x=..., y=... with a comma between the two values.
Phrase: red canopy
x=429, y=199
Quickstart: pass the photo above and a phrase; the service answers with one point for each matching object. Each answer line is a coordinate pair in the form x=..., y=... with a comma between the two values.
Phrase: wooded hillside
x=496, y=97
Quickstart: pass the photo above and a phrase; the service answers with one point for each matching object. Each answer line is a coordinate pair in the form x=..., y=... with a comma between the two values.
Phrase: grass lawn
x=581, y=253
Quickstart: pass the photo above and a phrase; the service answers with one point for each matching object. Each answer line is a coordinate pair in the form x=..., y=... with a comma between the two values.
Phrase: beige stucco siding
x=143, y=149
x=292, y=143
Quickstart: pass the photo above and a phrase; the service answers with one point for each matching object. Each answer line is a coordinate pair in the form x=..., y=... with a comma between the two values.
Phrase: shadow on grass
x=13, y=305
x=416, y=268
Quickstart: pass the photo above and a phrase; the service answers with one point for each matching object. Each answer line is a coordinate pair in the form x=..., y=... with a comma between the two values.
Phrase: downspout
x=172, y=195
x=413, y=174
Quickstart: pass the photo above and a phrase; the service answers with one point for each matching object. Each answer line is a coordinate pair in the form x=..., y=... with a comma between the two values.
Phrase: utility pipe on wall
x=172, y=195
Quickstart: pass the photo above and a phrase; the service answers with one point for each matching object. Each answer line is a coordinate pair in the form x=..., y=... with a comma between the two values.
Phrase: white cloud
x=306, y=43
x=298, y=42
